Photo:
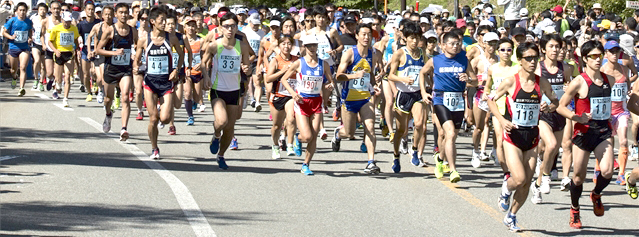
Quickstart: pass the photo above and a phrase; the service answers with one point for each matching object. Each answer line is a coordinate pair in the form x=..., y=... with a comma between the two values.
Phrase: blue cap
x=611, y=44
x=252, y=11
x=339, y=15
x=611, y=36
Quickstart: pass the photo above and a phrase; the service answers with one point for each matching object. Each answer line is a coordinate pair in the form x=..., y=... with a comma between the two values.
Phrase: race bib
x=454, y=101
x=255, y=45
x=229, y=64
x=619, y=91
x=122, y=60
x=322, y=51
x=413, y=72
x=525, y=114
x=66, y=38
x=360, y=84
x=86, y=37
x=600, y=108
x=158, y=65
x=310, y=84
x=346, y=47
x=21, y=36
x=36, y=34
x=197, y=59
x=175, y=59
x=559, y=91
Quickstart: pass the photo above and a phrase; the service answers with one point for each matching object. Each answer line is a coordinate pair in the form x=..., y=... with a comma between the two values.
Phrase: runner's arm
x=550, y=93
x=107, y=36
x=271, y=75
x=502, y=90
x=394, y=63
x=295, y=66
x=423, y=75
x=343, y=65
x=139, y=50
x=338, y=40
x=573, y=89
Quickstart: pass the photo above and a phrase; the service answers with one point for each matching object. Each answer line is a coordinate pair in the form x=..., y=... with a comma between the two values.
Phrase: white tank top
x=37, y=28
x=47, y=36
x=226, y=68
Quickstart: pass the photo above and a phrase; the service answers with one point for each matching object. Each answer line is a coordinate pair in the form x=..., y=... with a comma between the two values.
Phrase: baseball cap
x=596, y=6
x=309, y=39
x=517, y=31
x=550, y=29
x=558, y=9
x=274, y=23
x=221, y=14
x=460, y=23
x=302, y=10
x=350, y=19
x=135, y=3
x=501, y=30
x=568, y=33
x=626, y=42
x=523, y=12
x=255, y=19
x=367, y=20
x=292, y=9
x=490, y=36
x=76, y=8
x=605, y=24
x=430, y=34
x=611, y=44
x=195, y=9
x=98, y=9
x=242, y=11
x=252, y=11
x=486, y=23
x=611, y=36
x=396, y=12
x=339, y=15
x=66, y=16
x=489, y=10
x=424, y=20
x=214, y=11
x=445, y=10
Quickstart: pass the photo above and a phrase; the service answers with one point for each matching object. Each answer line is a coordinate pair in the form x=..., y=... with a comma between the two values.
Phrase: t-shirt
x=20, y=29
x=62, y=38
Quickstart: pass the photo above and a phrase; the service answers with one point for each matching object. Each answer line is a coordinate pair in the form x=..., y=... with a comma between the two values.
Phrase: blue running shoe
x=233, y=145
x=297, y=146
x=396, y=167
x=504, y=202
x=191, y=121
x=415, y=160
x=222, y=164
x=511, y=223
x=363, y=147
x=305, y=170
x=215, y=145
x=194, y=106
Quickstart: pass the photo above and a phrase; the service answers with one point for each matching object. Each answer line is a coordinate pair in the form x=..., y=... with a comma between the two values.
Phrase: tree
x=618, y=7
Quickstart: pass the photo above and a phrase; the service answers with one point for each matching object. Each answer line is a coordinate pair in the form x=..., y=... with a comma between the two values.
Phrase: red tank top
x=597, y=103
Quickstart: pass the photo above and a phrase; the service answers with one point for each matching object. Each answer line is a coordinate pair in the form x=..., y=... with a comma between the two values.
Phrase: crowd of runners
x=557, y=84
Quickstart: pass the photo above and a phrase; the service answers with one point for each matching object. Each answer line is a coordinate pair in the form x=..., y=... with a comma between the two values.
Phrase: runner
x=138, y=78
x=255, y=37
x=192, y=85
x=115, y=46
x=282, y=110
x=225, y=55
x=481, y=65
x=172, y=25
x=593, y=132
x=312, y=75
x=84, y=28
x=160, y=74
x=523, y=93
x=18, y=31
x=48, y=24
x=356, y=70
x=62, y=40
x=37, y=50
x=98, y=63
x=450, y=75
x=633, y=176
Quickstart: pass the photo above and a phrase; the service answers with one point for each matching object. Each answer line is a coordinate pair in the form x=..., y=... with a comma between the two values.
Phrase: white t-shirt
x=254, y=38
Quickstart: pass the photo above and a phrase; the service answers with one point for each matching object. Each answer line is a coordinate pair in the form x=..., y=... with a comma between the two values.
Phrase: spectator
x=631, y=26
x=561, y=24
x=596, y=8
x=512, y=11
x=523, y=19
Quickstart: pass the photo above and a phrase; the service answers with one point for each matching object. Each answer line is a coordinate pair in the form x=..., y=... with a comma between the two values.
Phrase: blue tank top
x=389, y=49
x=310, y=79
x=359, y=89
x=446, y=75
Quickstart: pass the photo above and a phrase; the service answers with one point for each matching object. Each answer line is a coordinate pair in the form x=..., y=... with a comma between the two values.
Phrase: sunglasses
x=231, y=26
x=614, y=50
x=506, y=50
x=595, y=56
x=493, y=43
x=143, y=18
x=531, y=58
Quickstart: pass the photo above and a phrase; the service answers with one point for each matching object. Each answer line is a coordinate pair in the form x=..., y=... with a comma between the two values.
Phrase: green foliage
x=616, y=6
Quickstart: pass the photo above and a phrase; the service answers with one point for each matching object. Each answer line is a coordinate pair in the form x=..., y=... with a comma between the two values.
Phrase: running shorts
x=113, y=74
x=64, y=58
x=48, y=54
x=309, y=107
x=444, y=114
x=619, y=121
x=404, y=101
x=589, y=140
x=355, y=106
x=554, y=119
x=229, y=97
x=158, y=87
x=524, y=138
x=279, y=102
x=470, y=94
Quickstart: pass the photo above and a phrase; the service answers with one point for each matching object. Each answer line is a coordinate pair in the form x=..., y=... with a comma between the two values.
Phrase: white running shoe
x=484, y=156
x=537, y=166
x=545, y=184
x=100, y=97
x=106, y=125
x=511, y=223
x=536, y=194
x=160, y=125
x=323, y=134
x=202, y=108
x=124, y=135
x=476, y=162
x=65, y=102
x=565, y=184
x=275, y=152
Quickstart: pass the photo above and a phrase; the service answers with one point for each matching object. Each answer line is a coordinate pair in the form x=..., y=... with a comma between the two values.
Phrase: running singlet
x=84, y=28
x=618, y=95
x=20, y=29
x=37, y=29
x=62, y=38
x=158, y=61
x=226, y=67
x=197, y=57
x=254, y=38
x=323, y=46
x=47, y=34
x=310, y=79
x=523, y=107
x=176, y=57
x=410, y=68
x=281, y=64
x=597, y=103
x=388, y=51
x=360, y=88
x=556, y=80
x=120, y=42
x=498, y=76
x=448, y=89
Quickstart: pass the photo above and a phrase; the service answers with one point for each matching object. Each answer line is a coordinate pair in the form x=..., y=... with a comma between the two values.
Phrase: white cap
x=489, y=10
x=254, y=20
x=485, y=1
x=241, y=11
x=424, y=20
x=596, y=6
x=367, y=20
x=486, y=23
x=275, y=23
x=430, y=34
x=396, y=12
x=550, y=29
x=83, y=14
x=98, y=9
x=501, y=30
x=66, y=16
x=490, y=36
x=214, y=11
x=68, y=1
x=171, y=6
x=626, y=42
x=309, y=39
x=445, y=10
x=180, y=10
x=523, y=12
x=568, y=33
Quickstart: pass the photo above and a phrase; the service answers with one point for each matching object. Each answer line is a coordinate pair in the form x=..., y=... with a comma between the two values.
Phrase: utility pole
x=403, y=5
x=456, y=9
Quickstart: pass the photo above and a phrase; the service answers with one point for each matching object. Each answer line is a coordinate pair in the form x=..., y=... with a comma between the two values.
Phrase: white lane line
x=184, y=197
x=3, y=158
x=62, y=107
x=42, y=96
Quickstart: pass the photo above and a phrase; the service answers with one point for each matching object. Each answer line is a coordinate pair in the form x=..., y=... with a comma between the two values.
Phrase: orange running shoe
x=598, y=206
x=575, y=220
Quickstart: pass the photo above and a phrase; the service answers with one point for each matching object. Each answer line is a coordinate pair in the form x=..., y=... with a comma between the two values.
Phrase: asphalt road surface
x=61, y=176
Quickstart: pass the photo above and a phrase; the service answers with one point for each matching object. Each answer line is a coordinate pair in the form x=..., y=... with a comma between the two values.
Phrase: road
x=60, y=176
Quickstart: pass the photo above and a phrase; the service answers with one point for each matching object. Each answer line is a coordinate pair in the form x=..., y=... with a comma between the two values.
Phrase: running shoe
x=65, y=102
x=475, y=161
x=22, y=92
x=202, y=108
x=215, y=145
x=325, y=109
x=511, y=223
x=100, y=97
x=621, y=180
x=297, y=146
x=536, y=193
x=371, y=168
x=131, y=97
x=94, y=88
x=106, y=125
x=396, y=166
x=275, y=152
x=41, y=89
x=221, y=163
x=403, y=146
x=391, y=136
x=446, y=167
x=14, y=82
x=454, y=176
x=634, y=152
x=565, y=184
x=54, y=95
x=282, y=142
x=124, y=135
x=305, y=170
x=190, y=121
x=484, y=156
x=504, y=200
x=631, y=189
x=545, y=184
x=140, y=116
x=194, y=107
x=82, y=89
x=415, y=159
x=575, y=219
x=336, y=115
x=598, y=207
x=89, y=98
x=160, y=125
x=439, y=171
x=35, y=85
x=116, y=103
x=155, y=154
x=50, y=84
x=554, y=175
x=385, y=131
x=258, y=108
x=233, y=145
x=323, y=134
x=290, y=151
x=335, y=142
x=363, y=147
x=172, y=130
